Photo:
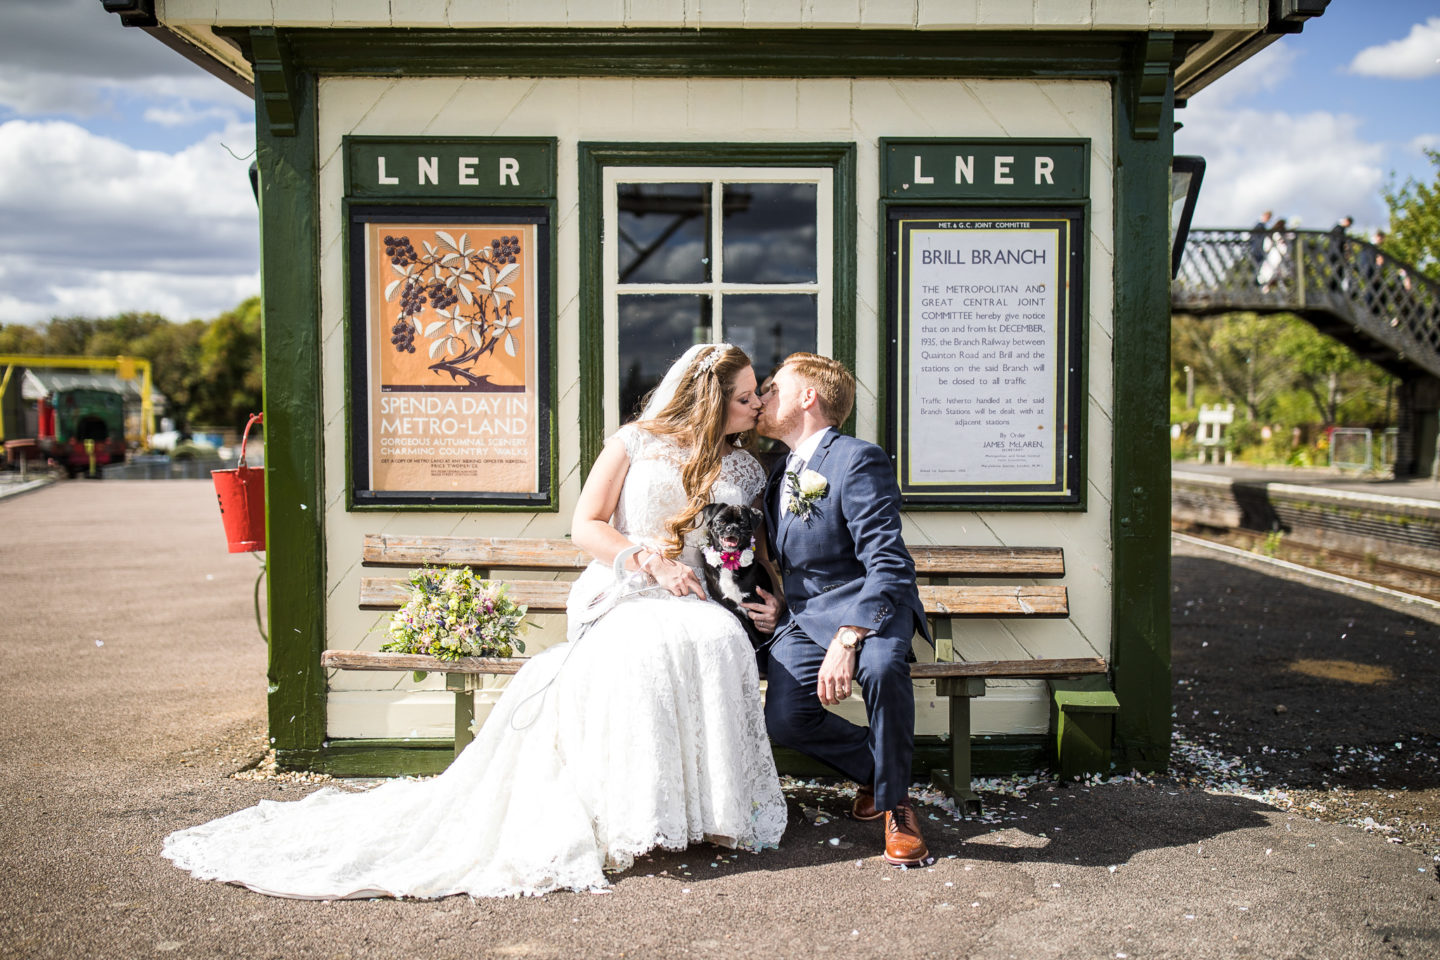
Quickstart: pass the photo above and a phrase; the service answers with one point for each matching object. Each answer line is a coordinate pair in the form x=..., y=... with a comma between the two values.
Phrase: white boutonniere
x=806, y=489
x=730, y=559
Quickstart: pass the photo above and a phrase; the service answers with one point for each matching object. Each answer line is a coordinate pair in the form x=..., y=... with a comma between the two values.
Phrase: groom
x=833, y=512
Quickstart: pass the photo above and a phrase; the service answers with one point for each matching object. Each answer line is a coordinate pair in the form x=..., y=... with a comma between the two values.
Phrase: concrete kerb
x=14, y=488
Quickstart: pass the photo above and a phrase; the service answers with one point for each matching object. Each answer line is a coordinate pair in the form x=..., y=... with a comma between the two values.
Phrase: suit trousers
x=881, y=753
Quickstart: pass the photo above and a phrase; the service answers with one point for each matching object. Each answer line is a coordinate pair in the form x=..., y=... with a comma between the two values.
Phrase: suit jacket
x=846, y=565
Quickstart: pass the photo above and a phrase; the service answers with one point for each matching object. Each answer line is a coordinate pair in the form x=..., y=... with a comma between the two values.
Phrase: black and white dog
x=732, y=567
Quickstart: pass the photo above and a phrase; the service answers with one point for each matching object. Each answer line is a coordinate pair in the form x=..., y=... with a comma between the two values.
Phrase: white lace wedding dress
x=649, y=734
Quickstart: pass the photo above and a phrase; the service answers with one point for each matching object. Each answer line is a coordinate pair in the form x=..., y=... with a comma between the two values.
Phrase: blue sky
x=1315, y=125
x=123, y=166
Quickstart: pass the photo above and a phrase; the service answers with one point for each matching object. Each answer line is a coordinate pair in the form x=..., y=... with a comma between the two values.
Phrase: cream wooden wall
x=873, y=14
x=575, y=110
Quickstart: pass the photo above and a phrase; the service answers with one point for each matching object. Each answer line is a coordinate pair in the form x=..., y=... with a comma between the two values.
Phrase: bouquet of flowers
x=452, y=614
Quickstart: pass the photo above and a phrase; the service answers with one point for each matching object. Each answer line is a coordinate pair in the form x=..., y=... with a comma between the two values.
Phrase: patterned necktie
x=793, y=464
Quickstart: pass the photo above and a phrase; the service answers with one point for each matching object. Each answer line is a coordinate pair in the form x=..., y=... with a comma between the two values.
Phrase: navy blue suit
x=846, y=565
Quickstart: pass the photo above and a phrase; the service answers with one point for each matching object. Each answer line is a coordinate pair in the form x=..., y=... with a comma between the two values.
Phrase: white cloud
x=1262, y=73
x=71, y=58
x=1313, y=166
x=103, y=293
x=95, y=226
x=1418, y=55
x=80, y=37
x=185, y=113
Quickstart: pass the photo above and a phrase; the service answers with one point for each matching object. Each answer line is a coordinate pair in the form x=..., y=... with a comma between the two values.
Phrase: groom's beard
x=771, y=426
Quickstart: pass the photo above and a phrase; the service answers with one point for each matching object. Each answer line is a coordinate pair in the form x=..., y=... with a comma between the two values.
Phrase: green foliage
x=229, y=363
x=1415, y=220
x=1280, y=372
x=1243, y=434
x=209, y=371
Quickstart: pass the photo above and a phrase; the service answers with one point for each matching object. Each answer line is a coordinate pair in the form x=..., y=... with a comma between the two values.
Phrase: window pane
x=664, y=232
x=769, y=232
x=770, y=327
x=654, y=331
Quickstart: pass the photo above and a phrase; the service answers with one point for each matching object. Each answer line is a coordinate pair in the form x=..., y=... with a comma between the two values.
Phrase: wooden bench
x=958, y=680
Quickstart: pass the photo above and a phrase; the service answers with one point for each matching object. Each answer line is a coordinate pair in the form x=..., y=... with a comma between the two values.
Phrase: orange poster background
x=472, y=428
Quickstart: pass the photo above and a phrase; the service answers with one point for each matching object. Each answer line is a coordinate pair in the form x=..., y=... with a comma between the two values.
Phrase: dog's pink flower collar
x=730, y=559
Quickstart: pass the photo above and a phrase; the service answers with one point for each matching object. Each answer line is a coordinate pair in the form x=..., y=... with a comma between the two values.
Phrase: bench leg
x=464, y=686
x=955, y=782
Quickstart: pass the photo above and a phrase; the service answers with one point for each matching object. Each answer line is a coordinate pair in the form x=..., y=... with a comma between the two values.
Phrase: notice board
x=986, y=322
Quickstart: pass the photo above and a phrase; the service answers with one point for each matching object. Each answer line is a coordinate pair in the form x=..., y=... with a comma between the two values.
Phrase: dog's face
x=731, y=526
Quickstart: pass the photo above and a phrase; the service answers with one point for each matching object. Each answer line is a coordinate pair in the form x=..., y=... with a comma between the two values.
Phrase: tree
x=174, y=354
x=1415, y=220
x=231, y=385
x=21, y=338
x=1235, y=353
x=116, y=336
x=1326, y=371
x=209, y=371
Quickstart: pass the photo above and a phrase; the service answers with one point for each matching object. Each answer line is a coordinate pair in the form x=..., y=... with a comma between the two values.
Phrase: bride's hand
x=674, y=576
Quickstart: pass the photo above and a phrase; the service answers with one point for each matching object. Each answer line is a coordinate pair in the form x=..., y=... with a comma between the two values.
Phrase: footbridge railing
x=1384, y=309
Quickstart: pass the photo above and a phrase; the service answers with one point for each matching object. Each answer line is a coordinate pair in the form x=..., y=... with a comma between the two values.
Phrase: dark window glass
x=769, y=232
x=664, y=232
x=654, y=331
x=771, y=326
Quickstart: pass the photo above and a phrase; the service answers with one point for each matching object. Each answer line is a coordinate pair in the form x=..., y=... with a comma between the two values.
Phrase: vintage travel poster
x=453, y=388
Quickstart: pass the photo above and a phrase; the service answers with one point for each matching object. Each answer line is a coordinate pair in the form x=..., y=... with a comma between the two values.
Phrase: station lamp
x=1185, y=176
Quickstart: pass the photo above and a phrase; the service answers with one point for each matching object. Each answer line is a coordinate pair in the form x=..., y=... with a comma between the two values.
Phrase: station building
x=968, y=202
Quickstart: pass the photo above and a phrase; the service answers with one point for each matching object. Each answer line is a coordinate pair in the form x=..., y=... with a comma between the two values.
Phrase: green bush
x=1242, y=435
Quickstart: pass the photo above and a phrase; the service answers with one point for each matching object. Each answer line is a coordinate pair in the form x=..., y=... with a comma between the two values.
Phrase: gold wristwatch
x=849, y=638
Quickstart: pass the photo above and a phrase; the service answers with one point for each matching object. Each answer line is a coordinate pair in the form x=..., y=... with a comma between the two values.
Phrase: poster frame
x=360, y=496
x=1075, y=369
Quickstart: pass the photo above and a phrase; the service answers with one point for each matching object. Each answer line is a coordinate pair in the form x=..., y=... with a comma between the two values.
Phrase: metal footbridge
x=1383, y=309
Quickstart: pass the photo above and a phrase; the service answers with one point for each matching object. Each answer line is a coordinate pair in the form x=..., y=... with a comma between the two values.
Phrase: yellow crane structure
x=126, y=368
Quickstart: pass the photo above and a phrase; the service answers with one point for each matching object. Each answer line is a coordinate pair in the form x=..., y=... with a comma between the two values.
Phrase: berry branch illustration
x=466, y=288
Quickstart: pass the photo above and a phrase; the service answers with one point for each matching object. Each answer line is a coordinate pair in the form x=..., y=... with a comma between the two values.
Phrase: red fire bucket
x=241, y=493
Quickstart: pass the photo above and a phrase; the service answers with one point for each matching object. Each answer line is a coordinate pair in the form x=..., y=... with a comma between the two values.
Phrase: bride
x=643, y=730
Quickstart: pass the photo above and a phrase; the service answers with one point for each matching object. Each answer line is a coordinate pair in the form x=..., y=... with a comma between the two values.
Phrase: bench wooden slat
x=1030, y=562
x=541, y=596
x=988, y=601
x=361, y=660
x=1010, y=669
x=548, y=596
x=560, y=554
x=528, y=553
x=507, y=666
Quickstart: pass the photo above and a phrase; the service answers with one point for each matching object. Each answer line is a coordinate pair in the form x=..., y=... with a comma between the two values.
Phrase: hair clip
x=711, y=358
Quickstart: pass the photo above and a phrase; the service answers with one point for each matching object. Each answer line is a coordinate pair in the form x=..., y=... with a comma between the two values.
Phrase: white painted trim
x=716, y=287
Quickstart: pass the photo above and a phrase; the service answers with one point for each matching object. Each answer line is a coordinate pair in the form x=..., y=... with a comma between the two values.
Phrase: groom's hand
x=836, y=673
x=764, y=615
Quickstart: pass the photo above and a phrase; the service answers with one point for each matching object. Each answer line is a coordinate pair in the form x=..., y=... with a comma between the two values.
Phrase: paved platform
x=135, y=685
x=1424, y=488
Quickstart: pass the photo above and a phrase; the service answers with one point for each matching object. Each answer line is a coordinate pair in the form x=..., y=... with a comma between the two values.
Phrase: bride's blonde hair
x=695, y=418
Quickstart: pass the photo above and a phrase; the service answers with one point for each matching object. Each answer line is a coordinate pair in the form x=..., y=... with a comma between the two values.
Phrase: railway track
x=1366, y=568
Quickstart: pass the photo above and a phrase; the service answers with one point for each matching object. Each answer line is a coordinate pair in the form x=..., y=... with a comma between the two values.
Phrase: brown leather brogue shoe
x=864, y=806
x=904, y=847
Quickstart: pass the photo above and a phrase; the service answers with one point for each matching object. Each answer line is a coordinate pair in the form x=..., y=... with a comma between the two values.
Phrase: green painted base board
x=372, y=758
x=992, y=756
